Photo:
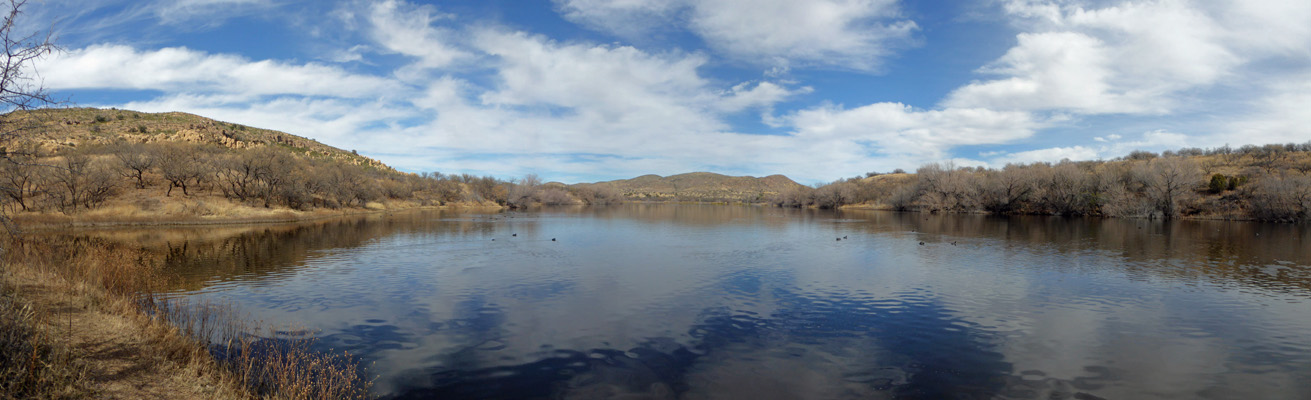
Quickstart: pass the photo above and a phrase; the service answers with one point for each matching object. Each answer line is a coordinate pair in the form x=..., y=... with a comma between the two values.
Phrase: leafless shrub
x=21, y=180
x=1006, y=190
x=1282, y=198
x=1169, y=181
x=80, y=181
x=943, y=187
x=554, y=196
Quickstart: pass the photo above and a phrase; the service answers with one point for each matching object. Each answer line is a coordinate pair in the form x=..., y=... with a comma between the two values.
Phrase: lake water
x=728, y=302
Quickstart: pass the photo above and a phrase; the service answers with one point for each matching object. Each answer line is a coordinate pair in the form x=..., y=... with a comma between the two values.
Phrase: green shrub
x=1218, y=183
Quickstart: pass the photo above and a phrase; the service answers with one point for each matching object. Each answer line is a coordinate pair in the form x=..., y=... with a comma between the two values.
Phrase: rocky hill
x=699, y=186
x=52, y=131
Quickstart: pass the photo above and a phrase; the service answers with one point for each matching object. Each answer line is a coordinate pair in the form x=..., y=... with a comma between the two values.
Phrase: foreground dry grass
x=76, y=321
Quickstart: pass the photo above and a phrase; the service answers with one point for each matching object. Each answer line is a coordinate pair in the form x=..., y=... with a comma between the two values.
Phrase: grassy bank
x=234, y=214
x=79, y=321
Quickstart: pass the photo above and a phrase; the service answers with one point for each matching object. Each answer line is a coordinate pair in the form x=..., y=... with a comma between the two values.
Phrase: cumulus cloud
x=1282, y=115
x=1052, y=154
x=1131, y=58
x=884, y=136
x=402, y=28
x=178, y=69
x=339, y=122
x=855, y=34
x=450, y=94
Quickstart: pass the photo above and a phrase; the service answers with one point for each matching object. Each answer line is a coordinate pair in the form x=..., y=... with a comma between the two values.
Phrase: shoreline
x=31, y=223
x=90, y=307
x=28, y=225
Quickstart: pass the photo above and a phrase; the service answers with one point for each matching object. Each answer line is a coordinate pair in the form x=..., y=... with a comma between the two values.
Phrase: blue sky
x=586, y=90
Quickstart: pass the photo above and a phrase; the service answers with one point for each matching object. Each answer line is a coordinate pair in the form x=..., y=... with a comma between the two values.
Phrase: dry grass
x=30, y=366
x=207, y=350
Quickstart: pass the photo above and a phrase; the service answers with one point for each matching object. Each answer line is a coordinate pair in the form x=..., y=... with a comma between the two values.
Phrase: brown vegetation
x=695, y=186
x=90, y=164
x=87, y=323
x=1253, y=182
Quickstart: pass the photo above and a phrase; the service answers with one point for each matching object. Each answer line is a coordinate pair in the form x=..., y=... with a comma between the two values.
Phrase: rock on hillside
x=699, y=186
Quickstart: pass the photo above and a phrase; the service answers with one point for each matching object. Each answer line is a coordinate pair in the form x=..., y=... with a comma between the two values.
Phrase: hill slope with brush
x=700, y=186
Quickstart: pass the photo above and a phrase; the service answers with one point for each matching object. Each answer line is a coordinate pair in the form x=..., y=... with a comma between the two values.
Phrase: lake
x=738, y=302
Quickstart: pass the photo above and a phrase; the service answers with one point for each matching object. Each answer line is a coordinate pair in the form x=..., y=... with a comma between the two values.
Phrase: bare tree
x=20, y=180
x=136, y=160
x=521, y=192
x=1004, y=191
x=182, y=166
x=947, y=188
x=81, y=181
x=18, y=89
x=238, y=175
x=1168, y=181
x=277, y=172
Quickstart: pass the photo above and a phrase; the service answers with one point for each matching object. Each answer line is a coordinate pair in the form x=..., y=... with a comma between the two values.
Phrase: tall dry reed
x=29, y=366
x=271, y=363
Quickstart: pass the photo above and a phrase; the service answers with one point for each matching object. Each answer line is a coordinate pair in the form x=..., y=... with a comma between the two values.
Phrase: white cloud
x=1274, y=27
x=1155, y=140
x=179, y=69
x=1131, y=58
x=465, y=97
x=180, y=11
x=848, y=33
x=855, y=34
x=1053, y=154
x=624, y=17
x=899, y=128
x=402, y=28
x=1282, y=116
x=337, y=122
x=884, y=136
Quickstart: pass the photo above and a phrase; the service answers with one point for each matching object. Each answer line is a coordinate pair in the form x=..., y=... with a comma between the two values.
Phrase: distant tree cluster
x=1262, y=182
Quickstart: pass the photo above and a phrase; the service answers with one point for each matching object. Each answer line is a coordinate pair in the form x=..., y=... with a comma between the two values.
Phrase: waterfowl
x=514, y=234
x=552, y=239
x=921, y=243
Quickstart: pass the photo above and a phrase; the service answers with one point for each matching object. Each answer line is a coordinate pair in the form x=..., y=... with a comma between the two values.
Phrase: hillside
x=52, y=131
x=699, y=186
x=86, y=165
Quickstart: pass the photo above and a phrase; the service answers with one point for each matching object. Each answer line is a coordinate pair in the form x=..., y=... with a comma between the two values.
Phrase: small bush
x=1218, y=183
x=101, y=118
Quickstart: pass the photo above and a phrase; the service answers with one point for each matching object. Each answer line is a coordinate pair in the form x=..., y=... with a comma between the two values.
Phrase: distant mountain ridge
x=699, y=186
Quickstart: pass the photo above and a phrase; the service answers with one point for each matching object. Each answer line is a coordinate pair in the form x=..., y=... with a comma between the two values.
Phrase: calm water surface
x=725, y=302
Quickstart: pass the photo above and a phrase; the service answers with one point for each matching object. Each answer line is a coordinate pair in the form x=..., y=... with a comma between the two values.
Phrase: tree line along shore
x=1265, y=183
x=126, y=166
